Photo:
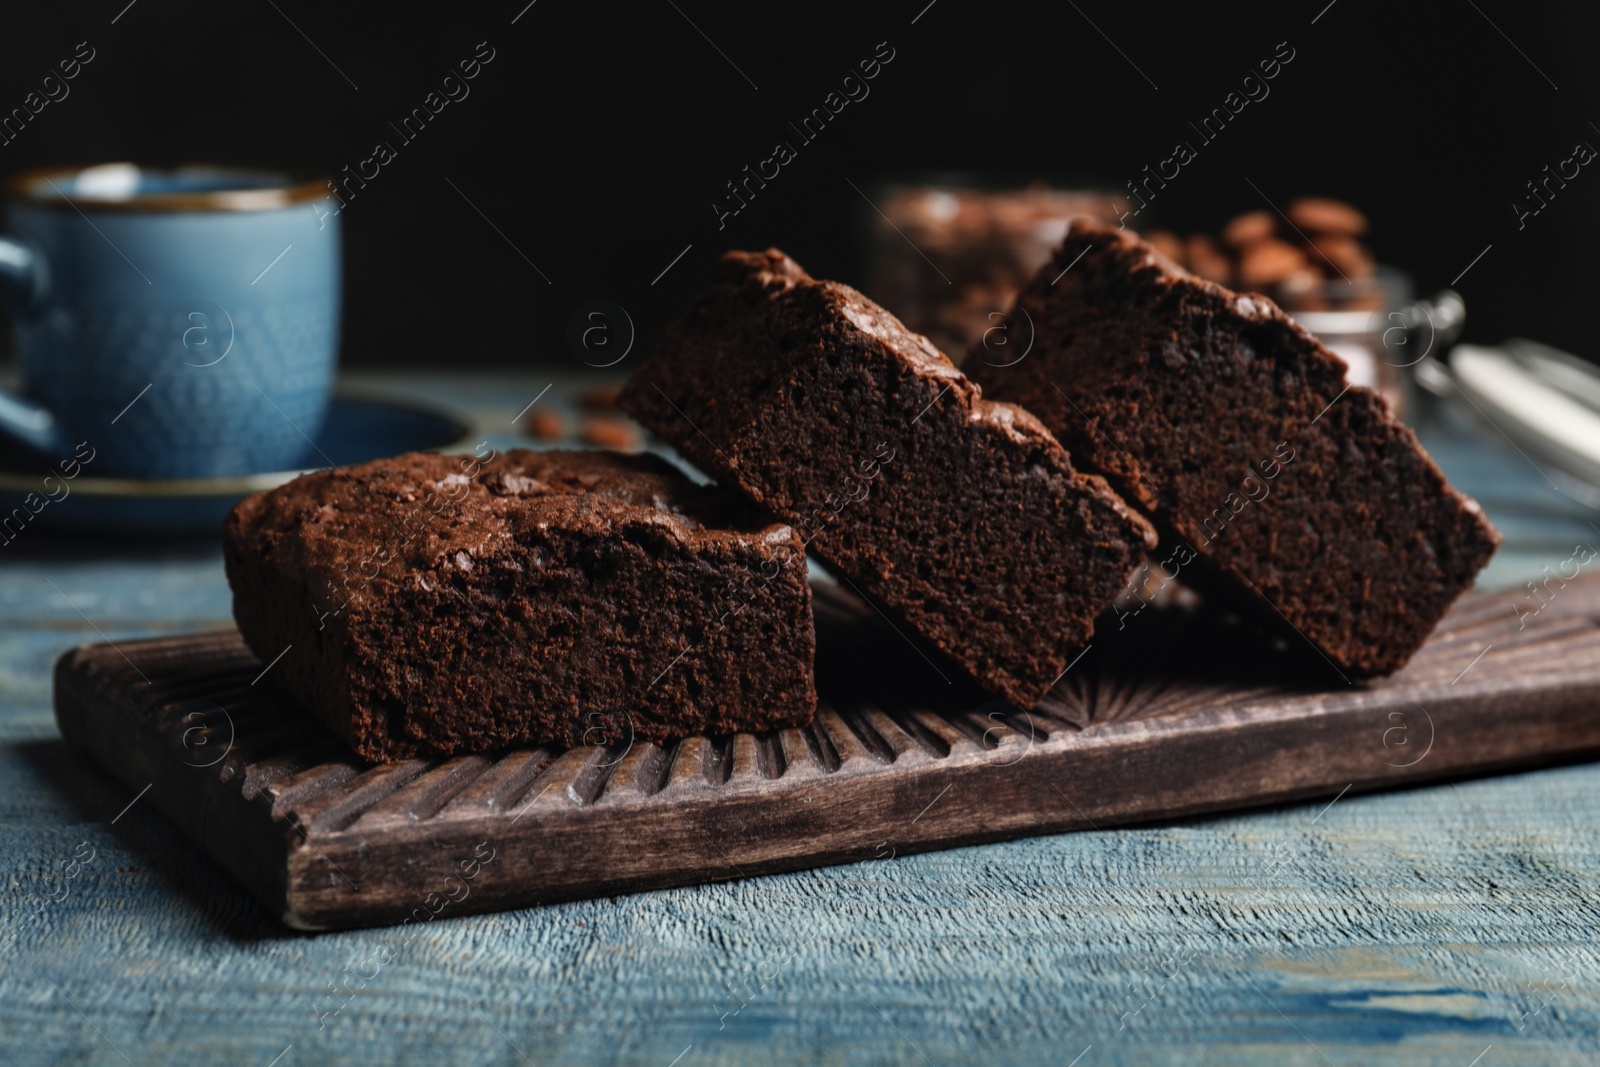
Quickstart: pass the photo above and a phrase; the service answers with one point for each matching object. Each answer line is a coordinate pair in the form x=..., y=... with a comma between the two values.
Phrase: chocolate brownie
x=434, y=604
x=962, y=520
x=1270, y=478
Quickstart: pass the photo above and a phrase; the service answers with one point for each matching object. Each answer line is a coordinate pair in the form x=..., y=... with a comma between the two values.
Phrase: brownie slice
x=960, y=519
x=434, y=604
x=1270, y=478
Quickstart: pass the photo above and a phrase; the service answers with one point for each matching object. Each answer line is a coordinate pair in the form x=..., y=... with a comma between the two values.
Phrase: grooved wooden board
x=1172, y=714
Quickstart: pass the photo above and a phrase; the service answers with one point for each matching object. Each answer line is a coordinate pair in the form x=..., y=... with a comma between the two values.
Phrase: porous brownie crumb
x=434, y=604
x=1273, y=482
x=961, y=519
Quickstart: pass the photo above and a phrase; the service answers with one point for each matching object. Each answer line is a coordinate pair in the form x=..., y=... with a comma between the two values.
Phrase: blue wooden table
x=1451, y=925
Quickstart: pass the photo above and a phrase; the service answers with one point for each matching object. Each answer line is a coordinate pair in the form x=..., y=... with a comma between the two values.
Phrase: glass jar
x=948, y=256
x=1352, y=320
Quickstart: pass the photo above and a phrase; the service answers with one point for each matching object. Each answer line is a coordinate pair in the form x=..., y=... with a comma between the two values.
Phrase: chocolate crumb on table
x=615, y=433
x=542, y=424
x=962, y=520
x=431, y=604
x=1273, y=482
x=602, y=398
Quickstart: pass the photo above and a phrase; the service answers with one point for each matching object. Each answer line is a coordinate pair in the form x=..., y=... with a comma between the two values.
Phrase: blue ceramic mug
x=183, y=322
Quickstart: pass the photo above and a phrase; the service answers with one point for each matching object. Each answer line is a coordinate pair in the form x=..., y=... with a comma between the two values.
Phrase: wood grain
x=1173, y=714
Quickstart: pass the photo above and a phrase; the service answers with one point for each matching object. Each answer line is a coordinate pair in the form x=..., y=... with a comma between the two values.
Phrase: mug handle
x=22, y=271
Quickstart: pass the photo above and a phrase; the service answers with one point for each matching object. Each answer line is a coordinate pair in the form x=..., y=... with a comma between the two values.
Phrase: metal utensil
x=1544, y=401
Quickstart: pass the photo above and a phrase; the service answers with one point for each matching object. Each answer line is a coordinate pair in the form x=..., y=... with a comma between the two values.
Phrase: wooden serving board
x=1173, y=714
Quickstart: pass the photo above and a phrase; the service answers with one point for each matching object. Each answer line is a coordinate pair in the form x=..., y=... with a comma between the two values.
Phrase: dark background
x=596, y=138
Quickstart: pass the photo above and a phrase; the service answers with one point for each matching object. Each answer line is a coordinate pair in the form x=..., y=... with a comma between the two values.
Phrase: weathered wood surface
x=1169, y=714
x=1424, y=926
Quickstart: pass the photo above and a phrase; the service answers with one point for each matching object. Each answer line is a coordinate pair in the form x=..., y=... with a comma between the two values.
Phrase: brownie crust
x=962, y=520
x=430, y=604
x=1272, y=481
